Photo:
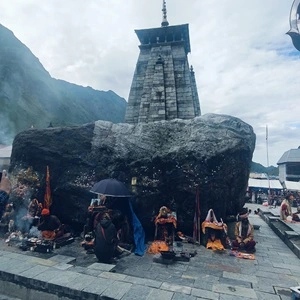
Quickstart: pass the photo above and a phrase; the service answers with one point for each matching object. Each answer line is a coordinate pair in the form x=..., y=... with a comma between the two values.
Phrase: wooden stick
x=119, y=248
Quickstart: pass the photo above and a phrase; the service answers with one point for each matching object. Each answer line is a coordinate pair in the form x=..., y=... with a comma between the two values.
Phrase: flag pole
x=196, y=225
x=267, y=146
x=198, y=213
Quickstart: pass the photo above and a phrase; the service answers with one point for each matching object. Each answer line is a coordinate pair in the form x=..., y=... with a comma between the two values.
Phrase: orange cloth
x=47, y=196
x=45, y=212
x=214, y=245
x=157, y=246
x=245, y=255
x=49, y=234
x=169, y=219
x=207, y=224
x=241, y=254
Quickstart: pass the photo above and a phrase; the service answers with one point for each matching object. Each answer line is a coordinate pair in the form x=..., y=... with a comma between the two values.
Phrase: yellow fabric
x=207, y=224
x=214, y=245
x=157, y=246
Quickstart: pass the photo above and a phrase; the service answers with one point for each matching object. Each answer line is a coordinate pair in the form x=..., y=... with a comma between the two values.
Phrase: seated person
x=50, y=225
x=34, y=208
x=124, y=230
x=165, y=223
x=244, y=233
x=95, y=207
x=285, y=207
x=105, y=240
x=5, y=189
x=296, y=215
x=213, y=239
x=214, y=232
x=33, y=214
x=8, y=216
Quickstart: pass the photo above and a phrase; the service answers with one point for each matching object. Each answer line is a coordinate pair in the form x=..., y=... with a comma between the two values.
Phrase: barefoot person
x=5, y=189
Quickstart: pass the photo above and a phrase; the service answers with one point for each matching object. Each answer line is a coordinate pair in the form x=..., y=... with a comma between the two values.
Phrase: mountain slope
x=29, y=96
x=258, y=168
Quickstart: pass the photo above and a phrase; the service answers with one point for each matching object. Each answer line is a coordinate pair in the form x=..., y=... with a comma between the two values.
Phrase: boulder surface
x=161, y=163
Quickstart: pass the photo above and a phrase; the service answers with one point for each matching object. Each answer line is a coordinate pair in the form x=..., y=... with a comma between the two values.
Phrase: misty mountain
x=29, y=96
x=258, y=168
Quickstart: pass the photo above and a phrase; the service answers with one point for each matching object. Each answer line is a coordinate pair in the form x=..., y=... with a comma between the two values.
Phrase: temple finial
x=164, y=10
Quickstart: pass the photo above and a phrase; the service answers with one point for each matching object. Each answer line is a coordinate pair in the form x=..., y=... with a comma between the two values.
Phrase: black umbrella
x=111, y=187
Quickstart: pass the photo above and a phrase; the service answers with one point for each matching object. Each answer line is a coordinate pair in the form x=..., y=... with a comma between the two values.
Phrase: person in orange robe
x=50, y=225
x=214, y=232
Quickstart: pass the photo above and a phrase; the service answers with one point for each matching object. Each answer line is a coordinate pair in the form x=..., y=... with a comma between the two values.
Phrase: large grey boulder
x=169, y=159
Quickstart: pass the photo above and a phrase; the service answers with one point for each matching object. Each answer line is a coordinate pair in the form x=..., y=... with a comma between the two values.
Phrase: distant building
x=163, y=85
x=289, y=166
x=258, y=175
x=5, y=153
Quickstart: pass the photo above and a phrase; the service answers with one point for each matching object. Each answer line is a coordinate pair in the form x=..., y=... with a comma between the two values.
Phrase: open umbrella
x=111, y=187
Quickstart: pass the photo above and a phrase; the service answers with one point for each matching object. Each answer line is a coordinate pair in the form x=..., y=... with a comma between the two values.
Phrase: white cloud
x=245, y=65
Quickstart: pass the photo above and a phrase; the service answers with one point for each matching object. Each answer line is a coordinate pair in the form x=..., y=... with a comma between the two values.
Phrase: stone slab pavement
x=208, y=275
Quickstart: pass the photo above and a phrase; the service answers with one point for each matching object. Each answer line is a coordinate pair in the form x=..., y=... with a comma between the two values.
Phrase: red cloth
x=45, y=212
x=47, y=196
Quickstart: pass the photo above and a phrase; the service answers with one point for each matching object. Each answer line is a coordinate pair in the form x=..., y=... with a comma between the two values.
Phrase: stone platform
x=288, y=232
x=70, y=273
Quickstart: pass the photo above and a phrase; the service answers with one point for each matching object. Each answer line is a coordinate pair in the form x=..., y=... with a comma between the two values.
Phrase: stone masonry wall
x=162, y=86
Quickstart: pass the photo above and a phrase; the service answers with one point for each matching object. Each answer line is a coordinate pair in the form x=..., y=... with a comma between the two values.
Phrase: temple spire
x=164, y=10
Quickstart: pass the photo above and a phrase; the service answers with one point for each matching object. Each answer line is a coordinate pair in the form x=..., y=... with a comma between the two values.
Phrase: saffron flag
x=47, y=196
x=196, y=231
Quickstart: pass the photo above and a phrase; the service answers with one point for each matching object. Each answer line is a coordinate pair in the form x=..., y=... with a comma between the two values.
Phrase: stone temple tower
x=163, y=86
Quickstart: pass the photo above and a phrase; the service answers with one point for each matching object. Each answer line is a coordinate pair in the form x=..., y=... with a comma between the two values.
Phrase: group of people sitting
x=215, y=233
x=286, y=213
x=110, y=227
x=36, y=216
x=49, y=225
x=216, y=236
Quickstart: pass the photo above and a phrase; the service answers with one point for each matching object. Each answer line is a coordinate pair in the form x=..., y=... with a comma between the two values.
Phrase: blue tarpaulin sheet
x=138, y=233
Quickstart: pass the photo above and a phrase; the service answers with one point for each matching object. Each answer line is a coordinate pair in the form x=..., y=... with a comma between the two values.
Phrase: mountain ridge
x=29, y=96
x=259, y=168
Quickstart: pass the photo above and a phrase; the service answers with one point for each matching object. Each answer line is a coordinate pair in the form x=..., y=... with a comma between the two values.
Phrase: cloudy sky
x=245, y=64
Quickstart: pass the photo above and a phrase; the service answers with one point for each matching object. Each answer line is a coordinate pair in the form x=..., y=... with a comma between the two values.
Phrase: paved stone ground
x=208, y=275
